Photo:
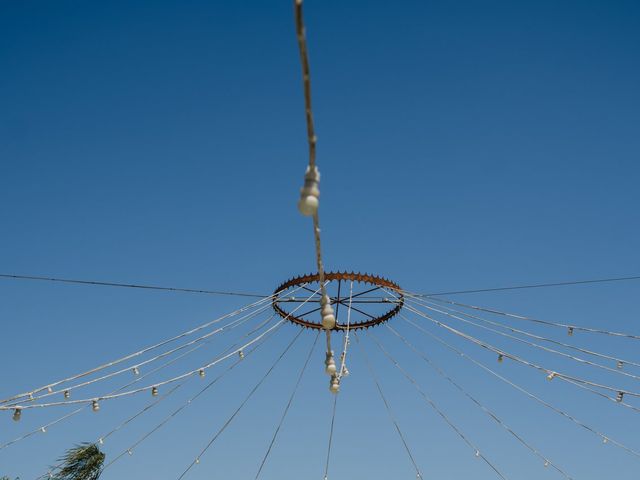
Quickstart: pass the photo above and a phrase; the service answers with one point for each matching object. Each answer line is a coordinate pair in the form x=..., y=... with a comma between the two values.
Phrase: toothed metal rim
x=333, y=276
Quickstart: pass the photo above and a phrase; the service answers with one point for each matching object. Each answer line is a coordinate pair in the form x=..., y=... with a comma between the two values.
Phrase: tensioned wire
x=436, y=408
x=288, y=406
x=204, y=337
x=579, y=382
x=129, y=450
x=388, y=407
x=565, y=326
x=582, y=361
x=334, y=408
x=571, y=379
x=619, y=361
x=485, y=409
x=244, y=402
x=46, y=426
x=159, y=384
x=603, y=437
x=138, y=353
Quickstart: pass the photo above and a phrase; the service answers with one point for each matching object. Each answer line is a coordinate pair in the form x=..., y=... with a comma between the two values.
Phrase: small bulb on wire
x=43, y=429
x=477, y=453
x=570, y=331
x=605, y=440
x=334, y=384
x=551, y=376
x=546, y=463
x=101, y=441
x=129, y=451
x=135, y=371
x=241, y=354
x=619, y=397
x=500, y=358
x=198, y=460
x=309, y=193
x=66, y=394
x=330, y=364
x=620, y=365
x=202, y=372
x=17, y=415
x=49, y=389
x=95, y=406
x=154, y=391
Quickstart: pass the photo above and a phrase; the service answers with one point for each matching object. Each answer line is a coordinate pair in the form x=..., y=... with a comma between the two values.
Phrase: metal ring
x=364, y=278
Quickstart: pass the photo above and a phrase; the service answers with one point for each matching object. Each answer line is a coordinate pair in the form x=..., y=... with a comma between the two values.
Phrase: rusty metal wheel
x=367, y=308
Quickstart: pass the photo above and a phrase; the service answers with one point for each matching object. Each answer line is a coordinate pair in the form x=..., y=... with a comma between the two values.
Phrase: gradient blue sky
x=465, y=144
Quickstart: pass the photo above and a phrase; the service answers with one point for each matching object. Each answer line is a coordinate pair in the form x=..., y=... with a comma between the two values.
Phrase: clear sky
x=461, y=145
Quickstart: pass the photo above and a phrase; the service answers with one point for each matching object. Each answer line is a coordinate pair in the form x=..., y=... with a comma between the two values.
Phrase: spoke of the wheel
x=337, y=302
x=344, y=302
x=307, y=313
x=244, y=402
x=491, y=414
x=288, y=406
x=388, y=407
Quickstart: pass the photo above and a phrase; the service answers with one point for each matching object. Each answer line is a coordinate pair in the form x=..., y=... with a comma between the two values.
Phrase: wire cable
x=173, y=414
x=135, y=354
x=333, y=420
x=46, y=426
x=603, y=437
x=157, y=385
x=437, y=409
x=586, y=384
x=579, y=382
x=388, y=407
x=486, y=410
x=620, y=362
x=127, y=285
x=244, y=402
x=569, y=327
x=535, y=285
x=288, y=406
x=580, y=360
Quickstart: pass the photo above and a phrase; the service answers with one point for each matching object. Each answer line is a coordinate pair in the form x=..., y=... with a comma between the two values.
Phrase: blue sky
x=460, y=145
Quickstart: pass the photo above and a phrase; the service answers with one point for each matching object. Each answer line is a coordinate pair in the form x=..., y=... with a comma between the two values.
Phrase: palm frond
x=82, y=462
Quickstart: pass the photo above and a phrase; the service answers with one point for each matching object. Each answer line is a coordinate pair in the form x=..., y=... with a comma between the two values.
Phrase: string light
x=43, y=429
x=570, y=331
x=330, y=364
x=135, y=371
x=154, y=391
x=241, y=354
x=130, y=452
x=66, y=394
x=95, y=405
x=17, y=415
x=620, y=364
x=619, y=397
x=309, y=193
x=328, y=317
x=49, y=389
x=500, y=358
x=101, y=441
x=546, y=463
x=202, y=372
x=477, y=453
x=334, y=384
x=551, y=376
